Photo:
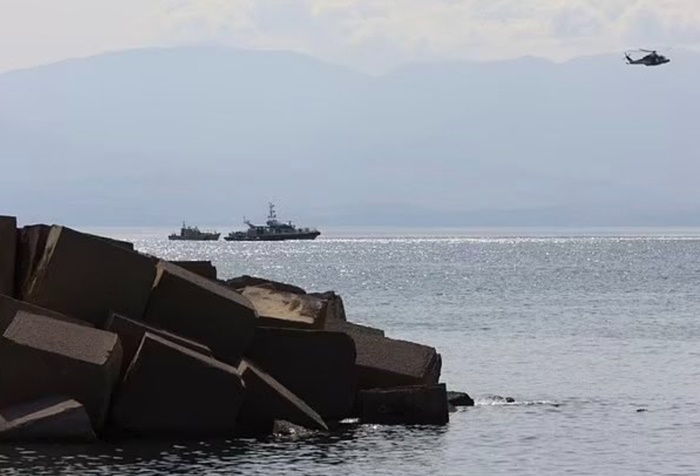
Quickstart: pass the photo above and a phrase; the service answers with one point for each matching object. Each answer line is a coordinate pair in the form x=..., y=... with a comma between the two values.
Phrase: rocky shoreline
x=100, y=341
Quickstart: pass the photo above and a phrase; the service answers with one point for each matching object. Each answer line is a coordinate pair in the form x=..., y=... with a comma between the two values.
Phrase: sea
x=594, y=334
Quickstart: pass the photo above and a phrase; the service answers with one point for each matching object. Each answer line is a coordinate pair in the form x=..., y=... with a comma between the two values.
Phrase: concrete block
x=384, y=362
x=413, y=405
x=127, y=245
x=283, y=309
x=202, y=268
x=51, y=419
x=31, y=242
x=350, y=328
x=8, y=252
x=87, y=277
x=244, y=281
x=173, y=391
x=42, y=357
x=317, y=366
x=131, y=333
x=197, y=308
x=335, y=309
x=268, y=400
x=9, y=308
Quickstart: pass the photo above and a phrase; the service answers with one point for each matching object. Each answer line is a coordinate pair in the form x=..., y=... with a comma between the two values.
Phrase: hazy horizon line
x=332, y=230
x=320, y=59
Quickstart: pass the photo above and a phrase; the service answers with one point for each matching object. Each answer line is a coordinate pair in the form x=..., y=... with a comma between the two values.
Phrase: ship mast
x=272, y=216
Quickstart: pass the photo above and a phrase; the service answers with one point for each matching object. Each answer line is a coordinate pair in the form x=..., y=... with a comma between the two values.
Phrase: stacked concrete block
x=351, y=328
x=96, y=337
x=330, y=303
x=43, y=357
x=384, y=362
x=284, y=309
x=8, y=252
x=31, y=242
x=132, y=332
x=267, y=400
x=9, y=308
x=203, y=268
x=88, y=277
x=411, y=405
x=174, y=391
x=335, y=308
x=127, y=245
x=317, y=366
x=241, y=282
x=48, y=419
x=197, y=308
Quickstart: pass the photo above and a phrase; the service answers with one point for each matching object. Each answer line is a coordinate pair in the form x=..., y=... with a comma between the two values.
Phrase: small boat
x=273, y=230
x=192, y=233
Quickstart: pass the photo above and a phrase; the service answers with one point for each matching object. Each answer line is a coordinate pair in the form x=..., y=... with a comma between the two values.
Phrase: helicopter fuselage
x=649, y=60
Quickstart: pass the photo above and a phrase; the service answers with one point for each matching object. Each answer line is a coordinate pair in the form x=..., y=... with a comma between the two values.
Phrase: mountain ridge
x=152, y=136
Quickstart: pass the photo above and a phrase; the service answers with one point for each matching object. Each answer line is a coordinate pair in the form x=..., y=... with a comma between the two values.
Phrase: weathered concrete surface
x=413, y=405
x=268, y=400
x=317, y=366
x=131, y=333
x=51, y=419
x=127, y=245
x=384, y=362
x=9, y=308
x=8, y=252
x=42, y=357
x=31, y=241
x=244, y=281
x=350, y=328
x=88, y=277
x=335, y=309
x=171, y=390
x=197, y=308
x=203, y=268
x=283, y=309
x=332, y=302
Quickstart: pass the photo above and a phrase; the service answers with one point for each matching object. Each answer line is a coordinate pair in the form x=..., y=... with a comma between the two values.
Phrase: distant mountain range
x=206, y=134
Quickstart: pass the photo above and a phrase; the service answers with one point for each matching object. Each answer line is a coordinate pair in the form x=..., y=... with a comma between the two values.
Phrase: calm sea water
x=596, y=337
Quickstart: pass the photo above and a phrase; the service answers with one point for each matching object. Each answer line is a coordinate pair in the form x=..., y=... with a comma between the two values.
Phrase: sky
x=370, y=35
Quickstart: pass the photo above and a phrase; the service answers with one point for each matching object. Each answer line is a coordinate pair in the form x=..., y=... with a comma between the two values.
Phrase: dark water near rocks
x=582, y=331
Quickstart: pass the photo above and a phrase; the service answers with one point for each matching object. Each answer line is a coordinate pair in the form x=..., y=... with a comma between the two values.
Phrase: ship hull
x=203, y=238
x=271, y=237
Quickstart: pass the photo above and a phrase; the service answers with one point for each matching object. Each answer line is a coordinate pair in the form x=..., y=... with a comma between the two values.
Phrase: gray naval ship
x=192, y=233
x=273, y=230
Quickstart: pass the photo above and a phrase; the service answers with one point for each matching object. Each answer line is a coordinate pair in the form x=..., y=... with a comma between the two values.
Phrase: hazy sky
x=367, y=34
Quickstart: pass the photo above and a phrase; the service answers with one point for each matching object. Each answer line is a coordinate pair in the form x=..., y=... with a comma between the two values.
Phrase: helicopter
x=651, y=59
